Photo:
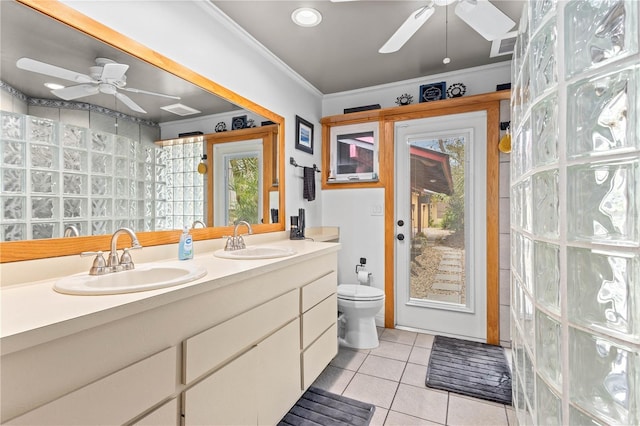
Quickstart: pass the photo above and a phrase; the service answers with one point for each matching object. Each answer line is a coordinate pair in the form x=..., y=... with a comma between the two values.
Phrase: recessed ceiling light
x=306, y=17
x=54, y=86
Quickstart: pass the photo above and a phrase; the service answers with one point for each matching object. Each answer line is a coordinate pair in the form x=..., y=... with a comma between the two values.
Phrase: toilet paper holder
x=361, y=266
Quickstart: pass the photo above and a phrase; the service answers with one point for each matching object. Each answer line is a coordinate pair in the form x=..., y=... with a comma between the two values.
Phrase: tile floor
x=392, y=378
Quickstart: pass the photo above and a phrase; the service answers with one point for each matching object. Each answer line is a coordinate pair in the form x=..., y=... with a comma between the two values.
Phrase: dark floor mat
x=469, y=368
x=319, y=407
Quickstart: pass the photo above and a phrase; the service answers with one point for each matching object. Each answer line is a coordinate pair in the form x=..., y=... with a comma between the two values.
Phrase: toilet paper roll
x=363, y=277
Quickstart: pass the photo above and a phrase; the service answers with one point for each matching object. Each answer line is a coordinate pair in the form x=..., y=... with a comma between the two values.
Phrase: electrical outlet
x=377, y=210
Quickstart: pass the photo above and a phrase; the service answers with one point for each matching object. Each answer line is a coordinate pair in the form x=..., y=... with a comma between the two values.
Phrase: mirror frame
x=13, y=251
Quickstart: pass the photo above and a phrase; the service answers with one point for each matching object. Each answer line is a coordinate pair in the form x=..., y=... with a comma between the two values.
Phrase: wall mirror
x=119, y=152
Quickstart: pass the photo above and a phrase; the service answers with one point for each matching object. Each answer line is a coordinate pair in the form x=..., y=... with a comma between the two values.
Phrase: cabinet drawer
x=318, y=319
x=318, y=290
x=226, y=397
x=166, y=414
x=317, y=356
x=114, y=399
x=212, y=347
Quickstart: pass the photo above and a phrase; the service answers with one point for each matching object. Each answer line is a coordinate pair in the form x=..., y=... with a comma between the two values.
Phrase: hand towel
x=309, y=185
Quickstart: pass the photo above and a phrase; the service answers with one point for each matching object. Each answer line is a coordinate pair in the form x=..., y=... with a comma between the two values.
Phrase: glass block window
x=54, y=176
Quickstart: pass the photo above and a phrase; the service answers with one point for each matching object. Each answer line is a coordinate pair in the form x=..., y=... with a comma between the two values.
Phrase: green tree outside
x=244, y=180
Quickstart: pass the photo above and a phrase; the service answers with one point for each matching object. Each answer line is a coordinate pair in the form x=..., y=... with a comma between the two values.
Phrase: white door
x=441, y=225
x=238, y=182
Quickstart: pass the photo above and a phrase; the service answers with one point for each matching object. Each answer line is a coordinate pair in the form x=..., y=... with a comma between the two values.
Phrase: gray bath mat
x=319, y=407
x=469, y=368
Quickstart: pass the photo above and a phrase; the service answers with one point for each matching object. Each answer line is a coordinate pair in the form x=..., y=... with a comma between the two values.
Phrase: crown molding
x=215, y=12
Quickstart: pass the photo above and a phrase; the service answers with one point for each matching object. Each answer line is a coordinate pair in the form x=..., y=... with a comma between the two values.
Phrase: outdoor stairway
x=449, y=276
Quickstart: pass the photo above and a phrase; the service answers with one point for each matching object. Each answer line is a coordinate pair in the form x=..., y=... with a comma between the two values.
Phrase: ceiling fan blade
x=74, y=92
x=485, y=18
x=145, y=92
x=113, y=71
x=407, y=29
x=128, y=102
x=32, y=65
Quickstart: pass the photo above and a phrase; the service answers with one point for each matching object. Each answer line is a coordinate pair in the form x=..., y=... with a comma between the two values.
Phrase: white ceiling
x=342, y=52
x=26, y=33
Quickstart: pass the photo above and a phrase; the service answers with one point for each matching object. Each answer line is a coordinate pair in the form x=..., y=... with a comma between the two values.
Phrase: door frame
x=386, y=118
x=493, y=203
x=463, y=319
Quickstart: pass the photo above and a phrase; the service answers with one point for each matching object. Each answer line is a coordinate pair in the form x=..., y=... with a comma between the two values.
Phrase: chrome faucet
x=198, y=222
x=236, y=242
x=113, y=263
x=71, y=231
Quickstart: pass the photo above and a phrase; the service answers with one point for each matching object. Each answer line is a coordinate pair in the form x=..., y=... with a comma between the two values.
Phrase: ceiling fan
x=489, y=21
x=106, y=77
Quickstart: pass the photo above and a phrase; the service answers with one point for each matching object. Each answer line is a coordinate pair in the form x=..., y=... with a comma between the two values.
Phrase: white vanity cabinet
x=318, y=315
x=114, y=399
x=254, y=353
x=239, y=352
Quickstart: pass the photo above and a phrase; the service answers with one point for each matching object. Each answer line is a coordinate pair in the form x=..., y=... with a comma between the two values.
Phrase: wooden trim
x=416, y=110
x=388, y=117
x=388, y=150
x=493, y=229
x=38, y=249
x=269, y=161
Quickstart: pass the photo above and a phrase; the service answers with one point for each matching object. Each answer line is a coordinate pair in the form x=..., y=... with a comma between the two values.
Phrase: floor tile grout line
x=446, y=417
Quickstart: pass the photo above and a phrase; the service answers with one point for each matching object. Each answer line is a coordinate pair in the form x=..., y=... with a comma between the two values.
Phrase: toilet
x=359, y=305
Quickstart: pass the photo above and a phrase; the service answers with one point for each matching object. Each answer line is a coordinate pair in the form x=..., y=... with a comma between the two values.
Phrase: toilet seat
x=359, y=292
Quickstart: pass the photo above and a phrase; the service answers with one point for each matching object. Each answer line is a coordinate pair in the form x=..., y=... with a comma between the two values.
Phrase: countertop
x=33, y=313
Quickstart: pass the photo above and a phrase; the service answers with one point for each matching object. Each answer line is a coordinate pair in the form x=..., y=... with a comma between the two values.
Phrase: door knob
x=401, y=222
x=400, y=237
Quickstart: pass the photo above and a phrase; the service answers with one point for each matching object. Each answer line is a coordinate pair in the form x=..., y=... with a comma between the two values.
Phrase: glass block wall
x=53, y=175
x=575, y=219
x=182, y=198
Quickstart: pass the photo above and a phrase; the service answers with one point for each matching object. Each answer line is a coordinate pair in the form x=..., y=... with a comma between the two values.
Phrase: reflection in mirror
x=354, y=152
x=244, y=182
x=82, y=160
x=238, y=169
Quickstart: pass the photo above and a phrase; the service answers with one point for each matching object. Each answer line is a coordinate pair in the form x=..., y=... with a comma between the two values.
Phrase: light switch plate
x=377, y=210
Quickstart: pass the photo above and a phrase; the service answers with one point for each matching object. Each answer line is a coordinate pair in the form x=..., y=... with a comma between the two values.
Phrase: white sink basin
x=146, y=276
x=255, y=253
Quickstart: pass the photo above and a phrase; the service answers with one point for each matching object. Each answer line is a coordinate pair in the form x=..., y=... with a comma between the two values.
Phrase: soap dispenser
x=185, y=246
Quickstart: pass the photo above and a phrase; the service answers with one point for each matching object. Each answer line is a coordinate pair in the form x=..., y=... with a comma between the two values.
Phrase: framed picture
x=304, y=135
x=433, y=91
x=239, y=122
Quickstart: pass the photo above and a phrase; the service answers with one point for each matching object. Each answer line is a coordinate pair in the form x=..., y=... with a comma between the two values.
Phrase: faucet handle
x=125, y=260
x=240, y=243
x=91, y=253
x=99, y=265
x=228, y=246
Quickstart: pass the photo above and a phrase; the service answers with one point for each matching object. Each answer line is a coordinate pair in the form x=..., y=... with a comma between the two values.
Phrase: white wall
x=198, y=36
x=477, y=80
x=361, y=234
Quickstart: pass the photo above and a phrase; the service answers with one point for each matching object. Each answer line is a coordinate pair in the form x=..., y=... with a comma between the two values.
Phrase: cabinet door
x=278, y=380
x=226, y=397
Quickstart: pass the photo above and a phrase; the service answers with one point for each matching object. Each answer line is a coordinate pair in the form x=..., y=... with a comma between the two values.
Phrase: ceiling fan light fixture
x=407, y=29
x=53, y=86
x=443, y=2
x=306, y=17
